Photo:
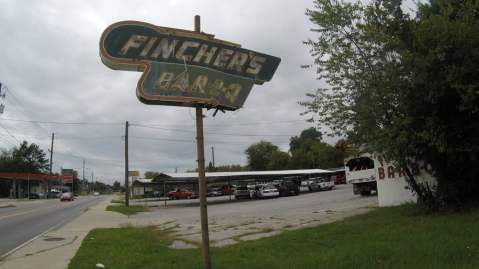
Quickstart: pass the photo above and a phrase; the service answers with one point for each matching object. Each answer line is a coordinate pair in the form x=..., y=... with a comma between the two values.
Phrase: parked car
x=179, y=194
x=157, y=194
x=34, y=195
x=227, y=189
x=309, y=185
x=338, y=179
x=96, y=193
x=54, y=194
x=243, y=192
x=314, y=185
x=326, y=184
x=66, y=196
x=266, y=191
x=287, y=187
x=304, y=186
x=212, y=192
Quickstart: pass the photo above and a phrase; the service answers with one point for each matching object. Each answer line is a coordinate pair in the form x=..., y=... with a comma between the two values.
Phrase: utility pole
x=205, y=242
x=213, y=156
x=92, y=185
x=83, y=177
x=51, y=163
x=127, y=187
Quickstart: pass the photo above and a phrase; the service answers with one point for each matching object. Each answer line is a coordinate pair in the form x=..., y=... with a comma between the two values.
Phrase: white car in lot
x=325, y=184
x=266, y=191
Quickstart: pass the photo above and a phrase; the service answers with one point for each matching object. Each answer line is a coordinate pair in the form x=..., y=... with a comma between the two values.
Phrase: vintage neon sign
x=185, y=68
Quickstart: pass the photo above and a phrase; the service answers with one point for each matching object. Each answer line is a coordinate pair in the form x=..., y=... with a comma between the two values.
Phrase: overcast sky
x=49, y=60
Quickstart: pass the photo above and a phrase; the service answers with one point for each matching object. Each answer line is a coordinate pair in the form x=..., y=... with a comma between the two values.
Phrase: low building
x=142, y=187
x=19, y=185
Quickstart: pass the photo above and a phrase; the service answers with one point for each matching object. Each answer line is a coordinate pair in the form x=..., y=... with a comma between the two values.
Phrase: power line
x=63, y=122
x=23, y=108
x=146, y=124
x=61, y=137
x=212, y=133
x=6, y=138
x=163, y=139
x=8, y=132
x=227, y=124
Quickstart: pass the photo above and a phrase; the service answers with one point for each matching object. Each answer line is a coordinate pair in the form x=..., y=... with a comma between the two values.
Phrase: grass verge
x=130, y=210
x=384, y=238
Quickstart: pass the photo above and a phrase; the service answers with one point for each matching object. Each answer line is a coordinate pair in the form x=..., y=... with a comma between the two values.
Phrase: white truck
x=361, y=173
x=370, y=172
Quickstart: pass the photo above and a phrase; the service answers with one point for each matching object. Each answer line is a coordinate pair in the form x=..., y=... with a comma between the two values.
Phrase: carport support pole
x=205, y=242
x=164, y=192
x=127, y=185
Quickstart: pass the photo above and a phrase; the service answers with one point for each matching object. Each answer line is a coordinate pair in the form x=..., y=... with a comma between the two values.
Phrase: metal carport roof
x=243, y=175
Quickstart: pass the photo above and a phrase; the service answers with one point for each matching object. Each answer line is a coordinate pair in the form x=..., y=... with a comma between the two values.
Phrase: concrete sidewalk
x=54, y=249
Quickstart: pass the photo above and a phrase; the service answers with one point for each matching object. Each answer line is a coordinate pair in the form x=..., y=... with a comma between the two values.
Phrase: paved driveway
x=231, y=222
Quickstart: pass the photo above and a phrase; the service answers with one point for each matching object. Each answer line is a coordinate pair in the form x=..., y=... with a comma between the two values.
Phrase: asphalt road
x=25, y=221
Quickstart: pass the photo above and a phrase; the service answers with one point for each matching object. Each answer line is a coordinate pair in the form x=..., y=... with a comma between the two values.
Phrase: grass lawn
x=132, y=209
x=384, y=238
x=117, y=201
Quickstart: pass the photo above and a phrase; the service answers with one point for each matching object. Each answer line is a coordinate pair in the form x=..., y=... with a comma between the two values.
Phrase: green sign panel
x=183, y=67
x=169, y=81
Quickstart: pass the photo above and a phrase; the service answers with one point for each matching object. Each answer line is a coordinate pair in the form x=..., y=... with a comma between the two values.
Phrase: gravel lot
x=234, y=221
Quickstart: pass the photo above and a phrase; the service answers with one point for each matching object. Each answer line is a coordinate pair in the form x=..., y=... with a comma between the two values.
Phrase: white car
x=267, y=191
x=325, y=184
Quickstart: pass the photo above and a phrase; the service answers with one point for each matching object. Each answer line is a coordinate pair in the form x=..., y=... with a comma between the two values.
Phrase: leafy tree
x=404, y=86
x=116, y=186
x=310, y=134
x=307, y=151
x=327, y=156
x=279, y=160
x=229, y=168
x=101, y=187
x=210, y=168
x=265, y=156
x=25, y=158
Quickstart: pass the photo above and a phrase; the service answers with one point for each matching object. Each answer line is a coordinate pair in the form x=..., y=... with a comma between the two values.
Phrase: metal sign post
x=205, y=242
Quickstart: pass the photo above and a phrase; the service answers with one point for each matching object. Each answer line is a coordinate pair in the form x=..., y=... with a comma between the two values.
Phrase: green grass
x=117, y=201
x=384, y=238
x=130, y=210
x=7, y=206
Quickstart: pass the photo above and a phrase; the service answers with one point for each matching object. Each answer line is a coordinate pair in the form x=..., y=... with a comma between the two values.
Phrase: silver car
x=67, y=196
